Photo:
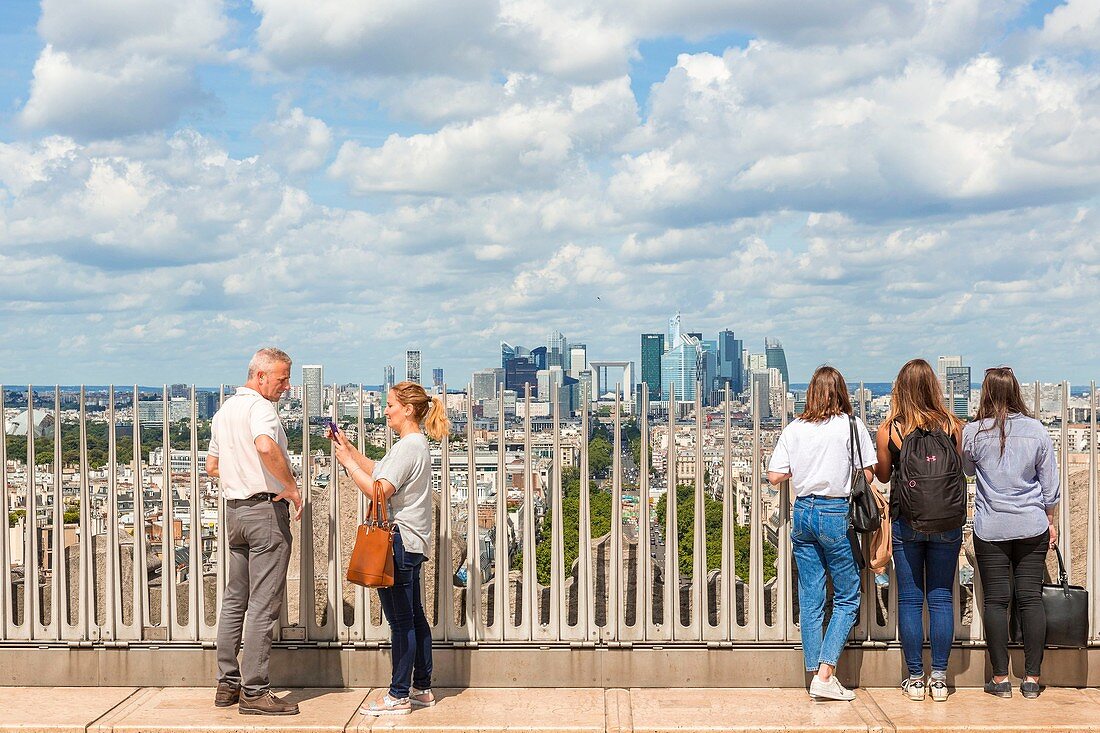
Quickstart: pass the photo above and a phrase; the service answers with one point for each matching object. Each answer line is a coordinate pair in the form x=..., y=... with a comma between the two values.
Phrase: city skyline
x=865, y=183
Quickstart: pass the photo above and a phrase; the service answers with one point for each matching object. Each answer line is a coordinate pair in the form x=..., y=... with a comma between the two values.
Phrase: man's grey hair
x=266, y=358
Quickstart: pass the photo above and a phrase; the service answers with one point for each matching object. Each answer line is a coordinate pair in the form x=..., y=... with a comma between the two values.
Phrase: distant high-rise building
x=942, y=363
x=957, y=379
x=520, y=371
x=776, y=359
x=708, y=369
x=578, y=359
x=313, y=382
x=673, y=331
x=557, y=351
x=388, y=378
x=207, y=404
x=761, y=394
x=653, y=346
x=412, y=365
x=483, y=385
x=730, y=366
x=680, y=369
x=508, y=351
x=539, y=358
x=549, y=377
x=179, y=390
x=697, y=335
x=437, y=378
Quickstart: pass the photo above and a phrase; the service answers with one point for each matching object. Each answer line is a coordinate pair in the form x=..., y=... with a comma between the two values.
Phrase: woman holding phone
x=402, y=478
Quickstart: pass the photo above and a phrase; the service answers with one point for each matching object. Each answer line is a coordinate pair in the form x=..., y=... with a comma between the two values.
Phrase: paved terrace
x=174, y=709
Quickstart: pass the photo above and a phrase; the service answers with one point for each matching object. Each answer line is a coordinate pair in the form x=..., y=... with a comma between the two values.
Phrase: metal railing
x=158, y=578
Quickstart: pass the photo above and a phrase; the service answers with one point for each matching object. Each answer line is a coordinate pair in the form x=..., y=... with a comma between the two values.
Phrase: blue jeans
x=410, y=635
x=925, y=565
x=819, y=536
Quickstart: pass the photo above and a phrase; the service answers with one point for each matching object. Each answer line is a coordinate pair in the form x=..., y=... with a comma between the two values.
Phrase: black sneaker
x=1000, y=689
x=1029, y=690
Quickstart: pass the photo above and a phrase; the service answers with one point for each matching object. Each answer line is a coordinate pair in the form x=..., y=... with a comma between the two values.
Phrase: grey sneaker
x=914, y=688
x=1000, y=689
x=1030, y=690
x=829, y=689
x=938, y=688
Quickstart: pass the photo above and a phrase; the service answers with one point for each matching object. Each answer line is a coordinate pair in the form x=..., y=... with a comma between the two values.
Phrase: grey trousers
x=258, y=533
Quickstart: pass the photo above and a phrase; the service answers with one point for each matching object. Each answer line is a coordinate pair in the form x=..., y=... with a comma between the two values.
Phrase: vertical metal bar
x=528, y=618
x=727, y=616
x=755, y=616
x=31, y=562
x=334, y=622
x=140, y=562
x=168, y=527
x=672, y=553
x=59, y=596
x=558, y=610
x=1064, y=534
x=863, y=625
x=644, y=585
x=85, y=590
x=307, y=613
x=783, y=604
x=112, y=593
x=616, y=616
x=222, y=567
x=501, y=567
x=473, y=543
x=359, y=593
x=1036, y=396
x=5, y=531
x=445, y=628
x=1093, y=566
x=585, y=602
x=196, y=580
x=694, y=629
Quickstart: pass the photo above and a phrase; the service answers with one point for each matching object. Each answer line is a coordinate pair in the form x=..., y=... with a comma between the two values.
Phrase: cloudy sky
x=182, y=181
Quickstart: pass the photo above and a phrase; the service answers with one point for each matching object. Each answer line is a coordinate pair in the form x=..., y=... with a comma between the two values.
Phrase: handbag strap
x=377, y=511
x=1063, y=577
x=854, y=447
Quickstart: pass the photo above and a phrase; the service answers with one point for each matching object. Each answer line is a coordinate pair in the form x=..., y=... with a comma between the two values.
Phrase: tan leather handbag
x=882, y=544
x=371, y=563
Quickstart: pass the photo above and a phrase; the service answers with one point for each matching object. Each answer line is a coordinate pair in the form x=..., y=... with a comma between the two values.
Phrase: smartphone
x=331, y=429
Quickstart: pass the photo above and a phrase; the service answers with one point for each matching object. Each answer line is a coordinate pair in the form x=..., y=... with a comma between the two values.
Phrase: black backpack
x=929, y=482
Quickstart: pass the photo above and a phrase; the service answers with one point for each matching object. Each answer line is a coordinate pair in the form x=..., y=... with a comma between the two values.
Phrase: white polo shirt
x=242, y=418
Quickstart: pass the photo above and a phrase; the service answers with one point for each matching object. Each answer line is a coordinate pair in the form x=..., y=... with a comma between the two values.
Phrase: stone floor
x=177, y=709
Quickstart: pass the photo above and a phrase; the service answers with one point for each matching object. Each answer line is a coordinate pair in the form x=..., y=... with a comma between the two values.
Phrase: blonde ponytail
x=436, y=424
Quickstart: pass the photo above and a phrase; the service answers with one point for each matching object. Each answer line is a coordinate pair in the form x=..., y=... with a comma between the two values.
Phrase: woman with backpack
x=918, y=454
x=814, y=453
x=1012, y=456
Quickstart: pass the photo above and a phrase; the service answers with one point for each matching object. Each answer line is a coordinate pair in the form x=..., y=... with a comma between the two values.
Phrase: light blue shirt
x=1015, y=489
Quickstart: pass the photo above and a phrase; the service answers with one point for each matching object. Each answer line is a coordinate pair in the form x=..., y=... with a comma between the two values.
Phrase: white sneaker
x=387, y=706
x=914, y=687
x=938, y=688
x=829, y=689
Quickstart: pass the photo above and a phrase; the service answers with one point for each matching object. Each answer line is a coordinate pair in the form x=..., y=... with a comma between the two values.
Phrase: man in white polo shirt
x=248, y=454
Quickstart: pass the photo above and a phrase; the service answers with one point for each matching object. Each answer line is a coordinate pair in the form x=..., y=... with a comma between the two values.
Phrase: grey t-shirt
x=408, y=466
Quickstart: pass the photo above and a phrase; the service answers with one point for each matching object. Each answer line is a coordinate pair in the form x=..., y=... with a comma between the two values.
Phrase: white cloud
x=121, y=66
x=296, y=142
x=1074, y=24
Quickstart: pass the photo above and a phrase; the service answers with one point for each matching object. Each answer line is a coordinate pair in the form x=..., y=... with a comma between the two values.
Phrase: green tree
x=599, y=455
x=712, y=510
x=14, y=516
x=600, y=513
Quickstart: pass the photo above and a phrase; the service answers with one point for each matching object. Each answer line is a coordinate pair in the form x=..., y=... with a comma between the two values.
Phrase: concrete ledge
x=513, y=666
x=567, y=710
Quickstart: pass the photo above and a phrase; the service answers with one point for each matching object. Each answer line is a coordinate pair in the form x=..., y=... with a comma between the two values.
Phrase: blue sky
x=184, y=181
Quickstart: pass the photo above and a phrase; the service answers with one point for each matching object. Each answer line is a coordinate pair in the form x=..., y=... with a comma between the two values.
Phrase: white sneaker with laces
x=914, y=688
x=387, y=706
x=829, y=689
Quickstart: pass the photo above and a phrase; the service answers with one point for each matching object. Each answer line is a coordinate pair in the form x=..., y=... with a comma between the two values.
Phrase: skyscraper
x=557, y=351
x=388, y=379
x=412, y=365
x=776, y=359
x=539, y=358
x=761, y=394
x=957, y=379
x=578, y=359
x=437, y=378
x=942, y=364
x=680, y=369
x=653, y=345
x=483, y=386
x=313, y=382
x=673, y=330
x=730, y=366
x=708, y=369
x=520, y=371
x=508, y=351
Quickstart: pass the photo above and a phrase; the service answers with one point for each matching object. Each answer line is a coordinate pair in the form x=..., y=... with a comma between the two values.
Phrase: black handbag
x=1067, y=610
x=863, y=512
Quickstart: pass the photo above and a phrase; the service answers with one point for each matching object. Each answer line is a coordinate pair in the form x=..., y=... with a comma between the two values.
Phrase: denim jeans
x=410, y=635
x=925, y=565
x=819, y=536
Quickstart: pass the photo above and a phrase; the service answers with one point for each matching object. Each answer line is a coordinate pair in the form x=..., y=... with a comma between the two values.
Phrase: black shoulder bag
x=863, y=511
x=1067, y=609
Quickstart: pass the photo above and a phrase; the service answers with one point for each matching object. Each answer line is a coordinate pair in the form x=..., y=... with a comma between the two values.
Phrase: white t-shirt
x=408, y=466
x=242, y=418
x=817, y=456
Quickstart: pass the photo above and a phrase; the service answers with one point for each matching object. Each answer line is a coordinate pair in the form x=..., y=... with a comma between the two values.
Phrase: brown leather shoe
x=265, y=704
x=227, y=694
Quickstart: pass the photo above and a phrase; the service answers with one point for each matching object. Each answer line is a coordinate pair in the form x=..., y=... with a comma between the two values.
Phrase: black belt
x=265, y=496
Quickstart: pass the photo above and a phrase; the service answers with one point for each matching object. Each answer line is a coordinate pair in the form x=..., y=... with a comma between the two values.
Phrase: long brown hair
x=916, y=400
x=426, y=409
x=1000, y=397
x=827, y=396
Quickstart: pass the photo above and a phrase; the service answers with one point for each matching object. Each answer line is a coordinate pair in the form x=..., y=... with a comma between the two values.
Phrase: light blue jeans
x=819, y=535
